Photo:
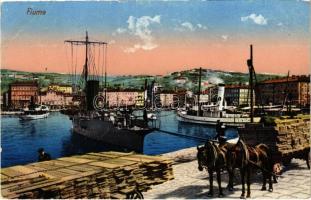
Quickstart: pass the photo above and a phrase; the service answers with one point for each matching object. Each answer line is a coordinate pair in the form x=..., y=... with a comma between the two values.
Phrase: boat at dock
x=115, y=128
x=218, y=111
x=212, y=113
x=39, y=112
x=94, y=120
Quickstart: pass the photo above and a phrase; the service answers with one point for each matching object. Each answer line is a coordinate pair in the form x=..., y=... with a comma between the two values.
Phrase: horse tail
x=245, y=153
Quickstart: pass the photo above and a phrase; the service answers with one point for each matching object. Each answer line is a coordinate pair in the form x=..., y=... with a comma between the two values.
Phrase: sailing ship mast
x=251, y=72
x=199, y=107
x=87, y=44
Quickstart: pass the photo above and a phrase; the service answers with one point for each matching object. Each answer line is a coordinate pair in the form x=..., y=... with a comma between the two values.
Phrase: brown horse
x=212, y=158
x=246, y=158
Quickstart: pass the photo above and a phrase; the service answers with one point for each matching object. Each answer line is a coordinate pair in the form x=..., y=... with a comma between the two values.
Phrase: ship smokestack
x=220, y=96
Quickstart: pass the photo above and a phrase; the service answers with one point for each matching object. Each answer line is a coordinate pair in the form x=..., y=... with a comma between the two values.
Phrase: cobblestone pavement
x=190, y=183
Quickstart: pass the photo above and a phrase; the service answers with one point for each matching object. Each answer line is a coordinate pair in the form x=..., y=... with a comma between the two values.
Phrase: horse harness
x=217, y=152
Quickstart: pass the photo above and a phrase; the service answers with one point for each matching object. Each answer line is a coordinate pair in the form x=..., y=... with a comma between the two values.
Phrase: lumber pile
x=285, y=137
x=93, y=175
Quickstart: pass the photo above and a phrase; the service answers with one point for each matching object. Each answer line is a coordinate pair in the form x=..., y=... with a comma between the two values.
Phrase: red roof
x=289, y=79
x=25, y=83
x=236, y=86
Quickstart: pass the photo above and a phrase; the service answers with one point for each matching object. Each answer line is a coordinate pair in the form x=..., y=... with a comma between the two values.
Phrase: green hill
x=169, y=82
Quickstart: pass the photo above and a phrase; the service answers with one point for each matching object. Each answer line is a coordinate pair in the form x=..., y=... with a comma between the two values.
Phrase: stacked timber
x=286, y=136
x=93, y=175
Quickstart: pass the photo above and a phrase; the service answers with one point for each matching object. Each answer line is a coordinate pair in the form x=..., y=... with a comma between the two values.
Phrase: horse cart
x=103, y=175
x=288, y=138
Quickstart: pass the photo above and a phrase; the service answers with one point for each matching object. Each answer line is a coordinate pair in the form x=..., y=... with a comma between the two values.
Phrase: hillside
x=189, y=79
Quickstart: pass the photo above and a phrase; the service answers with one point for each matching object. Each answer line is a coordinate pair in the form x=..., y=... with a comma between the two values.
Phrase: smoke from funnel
x=215, y=80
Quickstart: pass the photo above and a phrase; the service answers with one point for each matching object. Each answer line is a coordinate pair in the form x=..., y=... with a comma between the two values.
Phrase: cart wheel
x=136, y=194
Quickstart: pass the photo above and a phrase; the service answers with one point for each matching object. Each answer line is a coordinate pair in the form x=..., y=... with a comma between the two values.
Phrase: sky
x=159, y=37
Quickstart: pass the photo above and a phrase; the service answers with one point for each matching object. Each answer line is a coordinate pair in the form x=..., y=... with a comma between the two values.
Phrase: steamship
x=117, y=127
x=211, y=114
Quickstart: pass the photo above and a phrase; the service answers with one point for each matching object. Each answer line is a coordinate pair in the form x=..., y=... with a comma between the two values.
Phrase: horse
x=212, y=158
x=245, y=158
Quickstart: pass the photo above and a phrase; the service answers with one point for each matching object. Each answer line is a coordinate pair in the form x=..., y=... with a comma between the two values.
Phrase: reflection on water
x=21, y=139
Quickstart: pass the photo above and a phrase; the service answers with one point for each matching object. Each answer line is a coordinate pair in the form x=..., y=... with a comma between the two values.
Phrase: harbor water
x=20, y=139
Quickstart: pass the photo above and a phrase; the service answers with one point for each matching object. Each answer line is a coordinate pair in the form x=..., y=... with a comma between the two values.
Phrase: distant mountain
x=187, y=79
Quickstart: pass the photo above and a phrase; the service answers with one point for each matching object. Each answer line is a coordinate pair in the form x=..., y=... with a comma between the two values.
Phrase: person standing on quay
x=42, y=155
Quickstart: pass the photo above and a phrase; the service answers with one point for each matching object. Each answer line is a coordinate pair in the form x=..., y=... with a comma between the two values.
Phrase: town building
x=128, y=97
x=22, y=93
x=237, y=95
x=170, y=99
x=66, y=89
x=166, y=99
x=55, y=99
x=294, y=90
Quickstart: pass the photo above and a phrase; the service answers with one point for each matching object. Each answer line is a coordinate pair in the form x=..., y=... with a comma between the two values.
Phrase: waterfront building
x=55, y=99
x=5, y=100
x=237, y=95
x=294, y=90
x=171, y=99
x=167, y=99
x=127, y=97
x=140, y=99
x=22, y=93
x=66, y=89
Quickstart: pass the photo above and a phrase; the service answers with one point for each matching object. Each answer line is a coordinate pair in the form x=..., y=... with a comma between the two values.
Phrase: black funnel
x=92, y=89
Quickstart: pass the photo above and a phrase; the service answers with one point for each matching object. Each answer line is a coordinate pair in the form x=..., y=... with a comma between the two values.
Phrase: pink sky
x=177, y=55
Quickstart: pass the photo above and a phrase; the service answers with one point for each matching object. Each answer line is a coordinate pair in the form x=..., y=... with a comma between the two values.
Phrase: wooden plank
x=56, y=173
x=136, y=159
x=105, y=165
x=11, y=172
x=79, y=176
x=68, y=171
x=116, y=153
x=120, y=162
x=55, y=181
x=108, y=156
x=154, y=158
x=62, y=163
x=84, y=168
x=24, y=169
x=94, y=157
x=75, y=160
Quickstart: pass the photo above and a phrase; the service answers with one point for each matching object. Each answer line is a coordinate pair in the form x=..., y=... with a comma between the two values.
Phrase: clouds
x=225, y=37
x=188, y=26
x=257, y=19
x=201, y=26
x=141, y=29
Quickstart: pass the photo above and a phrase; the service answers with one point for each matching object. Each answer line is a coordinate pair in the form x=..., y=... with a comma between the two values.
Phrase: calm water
x=21, y=139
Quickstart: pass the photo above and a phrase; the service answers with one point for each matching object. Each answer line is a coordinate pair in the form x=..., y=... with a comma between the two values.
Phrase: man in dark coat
x=43, y=156
x=220, y=130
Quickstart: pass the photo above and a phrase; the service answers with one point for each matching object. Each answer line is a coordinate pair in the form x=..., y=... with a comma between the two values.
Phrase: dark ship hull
x=105, y=131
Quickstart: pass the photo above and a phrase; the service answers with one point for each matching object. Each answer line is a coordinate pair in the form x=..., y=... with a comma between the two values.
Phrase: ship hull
x=106, y=132
x=35, y=116
x=228, y=121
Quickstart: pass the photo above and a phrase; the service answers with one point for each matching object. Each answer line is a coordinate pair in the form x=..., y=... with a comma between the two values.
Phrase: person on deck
x=43, y=156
